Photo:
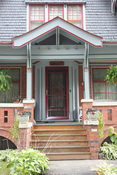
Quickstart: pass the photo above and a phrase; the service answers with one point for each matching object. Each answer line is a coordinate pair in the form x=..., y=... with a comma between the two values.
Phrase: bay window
x=101, y=89
x=12, y=94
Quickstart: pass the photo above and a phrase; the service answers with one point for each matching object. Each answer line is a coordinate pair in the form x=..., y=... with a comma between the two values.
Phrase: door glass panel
x=57, y=93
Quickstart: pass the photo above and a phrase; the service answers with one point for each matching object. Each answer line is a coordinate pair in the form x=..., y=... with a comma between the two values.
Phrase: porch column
x=86, y=73
x=29, y=74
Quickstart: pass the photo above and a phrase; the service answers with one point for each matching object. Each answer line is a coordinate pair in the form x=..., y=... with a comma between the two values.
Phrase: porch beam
x=29, y=74
x=57, y=36
x=86, y=73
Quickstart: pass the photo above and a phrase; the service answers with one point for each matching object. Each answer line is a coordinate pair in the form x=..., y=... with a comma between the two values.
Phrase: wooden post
x=86, y=74
x=29, y=74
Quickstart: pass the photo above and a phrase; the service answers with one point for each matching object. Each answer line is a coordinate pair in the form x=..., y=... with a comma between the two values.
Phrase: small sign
x=94, y=130
x=53, y=63
x=27, y=107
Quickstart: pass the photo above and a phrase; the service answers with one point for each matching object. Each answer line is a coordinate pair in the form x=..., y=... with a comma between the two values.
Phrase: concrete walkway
x=78, y=167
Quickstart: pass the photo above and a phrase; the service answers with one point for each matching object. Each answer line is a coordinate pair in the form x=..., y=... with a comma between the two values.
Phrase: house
x=57, y=53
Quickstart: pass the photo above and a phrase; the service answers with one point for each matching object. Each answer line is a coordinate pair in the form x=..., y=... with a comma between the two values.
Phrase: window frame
x=30, y=6
x=17, y=81
x=49, y=5
x=82, y=17
x=101, y=81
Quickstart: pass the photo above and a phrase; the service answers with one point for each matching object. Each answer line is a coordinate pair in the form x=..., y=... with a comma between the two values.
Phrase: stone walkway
x=78, y=167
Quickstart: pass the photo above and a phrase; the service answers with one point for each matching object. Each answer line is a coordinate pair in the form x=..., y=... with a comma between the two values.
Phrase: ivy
x=15, y=131
x=101, y=125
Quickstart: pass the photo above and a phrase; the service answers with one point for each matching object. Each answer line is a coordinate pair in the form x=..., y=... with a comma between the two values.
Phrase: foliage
x=110, y=131
x=25, y=162
x=5, y=81
x=113, y=135
x=3, y=169
x=109, y=151
x=15, y=131
x=111, y=76
x=105, y=169
x=101, y=125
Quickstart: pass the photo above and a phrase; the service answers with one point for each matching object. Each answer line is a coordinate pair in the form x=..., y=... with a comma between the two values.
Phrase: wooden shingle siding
x=12, y=18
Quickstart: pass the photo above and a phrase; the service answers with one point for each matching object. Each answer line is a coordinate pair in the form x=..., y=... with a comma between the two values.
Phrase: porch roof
x=61, y=24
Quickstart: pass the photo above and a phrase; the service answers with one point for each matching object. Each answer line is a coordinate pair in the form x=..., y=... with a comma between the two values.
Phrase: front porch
x=57, y=75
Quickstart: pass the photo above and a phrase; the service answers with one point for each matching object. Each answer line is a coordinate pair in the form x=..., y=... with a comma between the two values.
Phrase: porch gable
x=57, y=23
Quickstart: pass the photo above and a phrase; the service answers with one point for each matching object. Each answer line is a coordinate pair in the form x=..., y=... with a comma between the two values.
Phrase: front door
x=57, y=93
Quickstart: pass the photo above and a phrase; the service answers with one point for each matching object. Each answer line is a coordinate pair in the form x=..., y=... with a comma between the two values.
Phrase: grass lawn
x=3, y=169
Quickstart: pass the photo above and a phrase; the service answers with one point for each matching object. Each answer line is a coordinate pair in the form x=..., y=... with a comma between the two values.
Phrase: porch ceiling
x=48, y=29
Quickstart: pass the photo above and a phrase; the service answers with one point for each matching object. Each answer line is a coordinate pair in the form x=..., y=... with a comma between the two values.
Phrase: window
x=103, y=90
x=55, y=10
x=37, y=16
x=12, y=94
x=74, y=15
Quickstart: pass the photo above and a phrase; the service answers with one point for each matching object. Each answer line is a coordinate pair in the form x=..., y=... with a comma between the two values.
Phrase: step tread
x=60, y=140
x=58, y=130
x=70, y=153
x=65, y=146
x=59, y=134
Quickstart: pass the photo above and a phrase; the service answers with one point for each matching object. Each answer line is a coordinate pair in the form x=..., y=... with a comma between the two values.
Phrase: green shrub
x=25, y=162
x=113, y=135
x=105, y=169
x=109, y=151
x=110, y=131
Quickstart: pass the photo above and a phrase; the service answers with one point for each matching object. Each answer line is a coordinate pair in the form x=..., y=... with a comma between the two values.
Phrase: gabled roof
x=57, y=22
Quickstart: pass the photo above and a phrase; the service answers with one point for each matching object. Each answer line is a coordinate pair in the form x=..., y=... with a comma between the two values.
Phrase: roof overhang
x=57, y=22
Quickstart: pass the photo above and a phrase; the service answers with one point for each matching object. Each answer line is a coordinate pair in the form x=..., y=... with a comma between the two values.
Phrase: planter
x=23, y=119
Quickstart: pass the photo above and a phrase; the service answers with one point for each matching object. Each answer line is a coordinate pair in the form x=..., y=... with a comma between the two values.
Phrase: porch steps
x=61, y=142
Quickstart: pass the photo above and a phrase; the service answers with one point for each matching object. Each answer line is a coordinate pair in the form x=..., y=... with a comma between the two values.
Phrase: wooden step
x=59, y=149
x=60, y=143
x=59, y=131
x=48, y=137
x=69, y=156
x=58, y=126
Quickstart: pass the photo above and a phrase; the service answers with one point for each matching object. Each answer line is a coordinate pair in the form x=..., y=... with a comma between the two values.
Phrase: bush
x=105, y=169
x=25, y=162
x=113, y=135
x=109, y=151
x=3, y=169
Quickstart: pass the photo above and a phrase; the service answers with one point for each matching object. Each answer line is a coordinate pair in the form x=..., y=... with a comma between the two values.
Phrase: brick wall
x=92, y=130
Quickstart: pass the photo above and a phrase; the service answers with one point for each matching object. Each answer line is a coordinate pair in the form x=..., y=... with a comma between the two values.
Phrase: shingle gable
x=99, y=19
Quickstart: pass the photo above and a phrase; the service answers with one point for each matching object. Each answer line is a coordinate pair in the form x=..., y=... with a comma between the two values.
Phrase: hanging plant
x=5, y=81
x=111, y=76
